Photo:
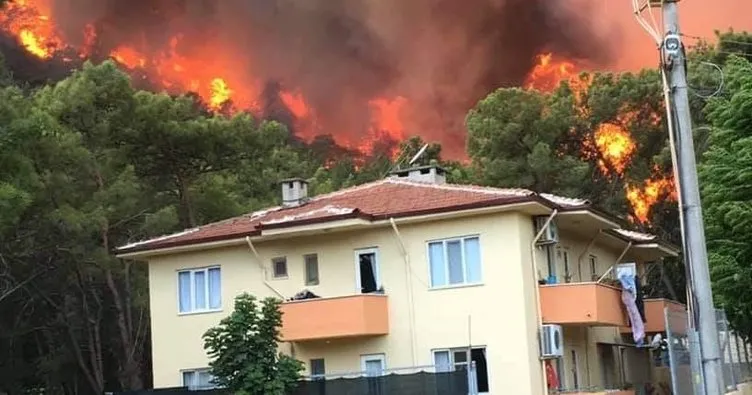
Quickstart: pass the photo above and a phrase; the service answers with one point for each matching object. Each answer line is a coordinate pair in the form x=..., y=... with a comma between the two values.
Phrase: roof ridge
x=329, y=208
x=465, y=187
x=347, y=190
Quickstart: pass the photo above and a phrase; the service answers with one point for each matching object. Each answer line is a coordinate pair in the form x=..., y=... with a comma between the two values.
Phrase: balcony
x=332, y=318
x=655, y=316
x=591, y=304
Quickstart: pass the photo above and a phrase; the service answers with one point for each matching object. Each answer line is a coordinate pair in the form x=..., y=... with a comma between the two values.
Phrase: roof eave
x=146, y=249
x=604, y=221
x=185, y=246
x=656, y=243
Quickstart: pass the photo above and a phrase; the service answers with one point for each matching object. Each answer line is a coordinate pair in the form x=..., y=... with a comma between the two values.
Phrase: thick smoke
x=442, y=55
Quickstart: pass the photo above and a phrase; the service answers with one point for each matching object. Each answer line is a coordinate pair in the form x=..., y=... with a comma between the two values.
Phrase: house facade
x=410, y=271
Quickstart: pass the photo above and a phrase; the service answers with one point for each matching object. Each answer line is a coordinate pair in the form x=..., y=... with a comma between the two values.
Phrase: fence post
x=672, y=360
x=693, y=341
x=725, y=346
x=746, y=357
x=738, y=363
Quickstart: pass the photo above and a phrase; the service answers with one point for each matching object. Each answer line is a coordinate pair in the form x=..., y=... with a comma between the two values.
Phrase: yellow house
x=410, y=271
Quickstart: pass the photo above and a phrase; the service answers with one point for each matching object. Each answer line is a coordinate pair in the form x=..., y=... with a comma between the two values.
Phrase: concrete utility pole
x=694, y=232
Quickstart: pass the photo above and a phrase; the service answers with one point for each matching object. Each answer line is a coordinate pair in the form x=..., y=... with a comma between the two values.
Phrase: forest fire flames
x=654, y=190
x=179, y=65
x=612, y=143
x=615, y=146
x=33, y=27
x=549, y=72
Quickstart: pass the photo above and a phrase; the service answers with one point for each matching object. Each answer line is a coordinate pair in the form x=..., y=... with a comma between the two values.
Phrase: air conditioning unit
x=551, y=341
x=550, y=234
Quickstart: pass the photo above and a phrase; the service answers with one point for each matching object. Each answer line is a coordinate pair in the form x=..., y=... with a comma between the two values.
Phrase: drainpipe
x=410, y=301
x=585, y=251
x=533, y=245
x=261, y=266
x=629, y=245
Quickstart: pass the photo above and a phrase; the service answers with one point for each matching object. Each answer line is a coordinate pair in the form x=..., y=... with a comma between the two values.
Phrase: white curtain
x=215, y=289
x=184, y=283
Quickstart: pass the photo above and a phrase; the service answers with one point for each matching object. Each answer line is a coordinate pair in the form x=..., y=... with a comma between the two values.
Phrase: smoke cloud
x=441, y=55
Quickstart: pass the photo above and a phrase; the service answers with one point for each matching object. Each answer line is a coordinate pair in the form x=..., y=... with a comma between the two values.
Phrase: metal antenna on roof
x=421, y=151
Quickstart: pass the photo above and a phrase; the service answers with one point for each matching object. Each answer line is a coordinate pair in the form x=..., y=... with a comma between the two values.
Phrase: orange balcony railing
x=655, y=320
x=338, y=317
x=591, y=303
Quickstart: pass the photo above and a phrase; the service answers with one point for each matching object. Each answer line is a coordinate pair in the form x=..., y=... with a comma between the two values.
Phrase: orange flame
x=29, y=21
x=549, y=72
x=295, y=102
x=387, y=115
x=221, y=93
x=128, y=57
x=387, y=120
x=616, y=147
x=642, y=199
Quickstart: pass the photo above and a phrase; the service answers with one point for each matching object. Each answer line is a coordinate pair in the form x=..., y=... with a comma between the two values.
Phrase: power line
x=720, y=40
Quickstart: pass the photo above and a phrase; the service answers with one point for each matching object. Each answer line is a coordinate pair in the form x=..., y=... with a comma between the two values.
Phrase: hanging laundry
x=640, y=302
x=629, y=298
x=553, y=380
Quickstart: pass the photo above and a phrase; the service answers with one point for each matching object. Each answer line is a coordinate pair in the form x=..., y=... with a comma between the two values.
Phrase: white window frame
x=373, y=357
x=468, y=357
x=562, y=255
x=196, y=373
x=444, y=242
x=575, y=371
x=376, y=272
x=310, y=367
x=451, y=351
x=193, y=309
x=307, y=281
x=593, y=262
x=274, y=268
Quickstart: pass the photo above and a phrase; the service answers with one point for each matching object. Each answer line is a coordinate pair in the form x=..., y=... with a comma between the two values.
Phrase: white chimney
x=294, y=192
x=432, y=174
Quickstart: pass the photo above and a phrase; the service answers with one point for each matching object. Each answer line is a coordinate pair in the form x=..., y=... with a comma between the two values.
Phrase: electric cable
x=718, y=90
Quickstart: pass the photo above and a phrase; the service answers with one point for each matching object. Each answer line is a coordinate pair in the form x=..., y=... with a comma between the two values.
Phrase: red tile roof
x=388, y=198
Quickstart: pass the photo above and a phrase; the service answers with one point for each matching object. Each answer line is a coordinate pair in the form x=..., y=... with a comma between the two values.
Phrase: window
x=551, y=262
x=454, y=261
x=198, y=379
x=456, y=358
x=367, y=273
x=559, y=371
x=373, y=365
x=575, y=375
x=199, y=290
x=563, y=255
x=318, y=368
x=311, y=269
x=279, y=267
x=593, y=267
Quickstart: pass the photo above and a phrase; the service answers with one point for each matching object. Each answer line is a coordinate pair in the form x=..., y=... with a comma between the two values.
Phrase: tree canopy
x=243, y=350
x=726, y=180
